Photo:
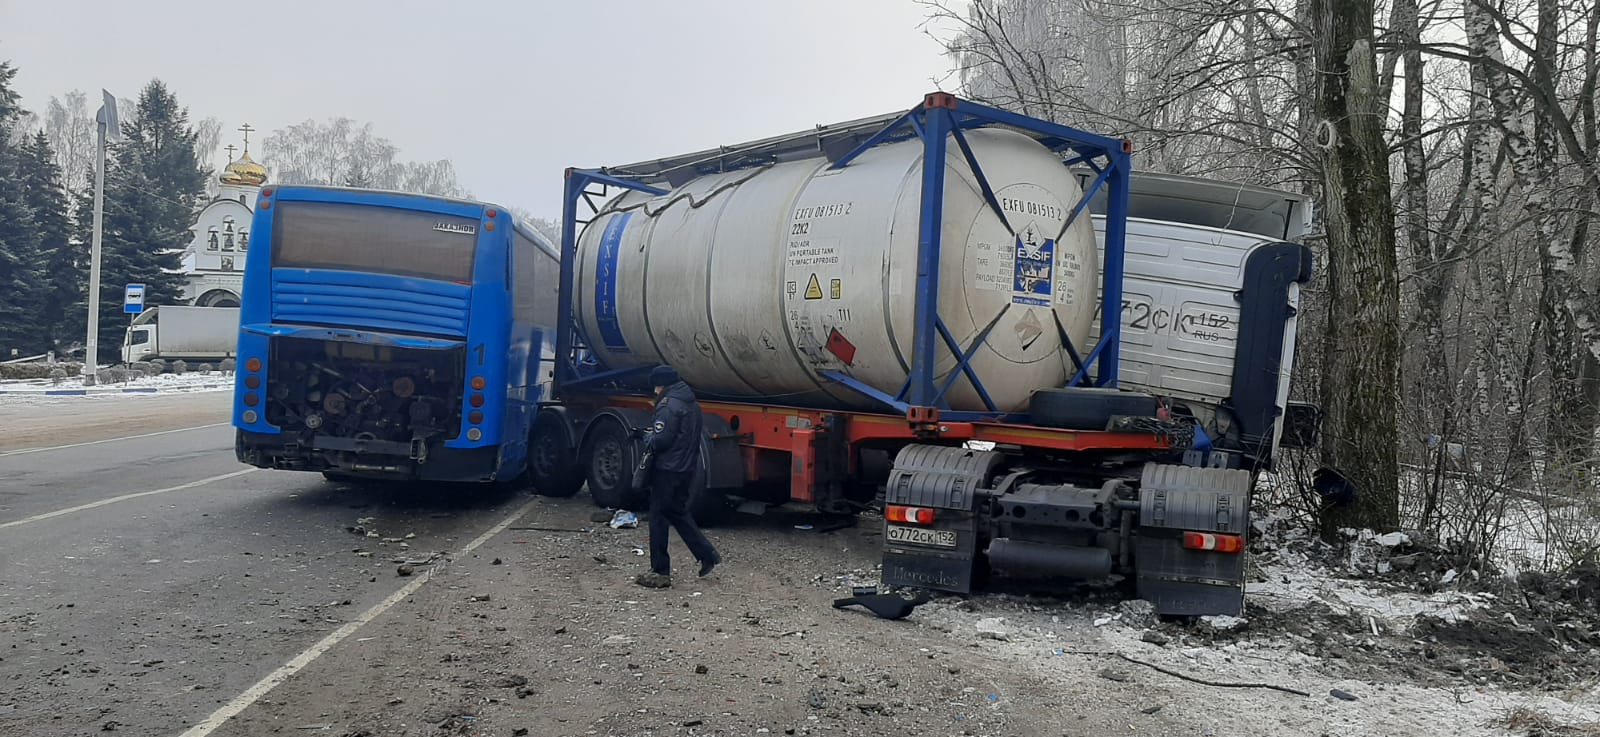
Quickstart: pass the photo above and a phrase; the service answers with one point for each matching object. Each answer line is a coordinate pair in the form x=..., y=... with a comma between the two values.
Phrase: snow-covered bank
x=158, y=384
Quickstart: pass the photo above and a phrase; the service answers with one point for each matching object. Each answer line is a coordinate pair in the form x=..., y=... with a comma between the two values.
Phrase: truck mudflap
x=1189, y=581
x=930, y=535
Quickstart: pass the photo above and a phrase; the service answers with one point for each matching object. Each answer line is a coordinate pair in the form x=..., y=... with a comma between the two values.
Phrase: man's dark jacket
x=676, y=430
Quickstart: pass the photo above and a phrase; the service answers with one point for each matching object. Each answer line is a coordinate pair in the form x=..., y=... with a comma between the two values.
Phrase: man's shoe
x=653, y=580
x=707, y=565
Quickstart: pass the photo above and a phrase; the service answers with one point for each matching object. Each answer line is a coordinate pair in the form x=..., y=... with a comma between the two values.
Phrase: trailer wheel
x=710, y=507
x=552, y=469
x=612, y=455
x=1086, y=408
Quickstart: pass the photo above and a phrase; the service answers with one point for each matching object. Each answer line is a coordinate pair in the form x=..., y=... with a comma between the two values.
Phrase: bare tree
x=208, y=133
x=1569, y=307
x=342, y=152
x=70, y=127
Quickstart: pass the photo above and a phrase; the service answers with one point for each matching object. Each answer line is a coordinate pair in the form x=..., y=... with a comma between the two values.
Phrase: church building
x=214, y=260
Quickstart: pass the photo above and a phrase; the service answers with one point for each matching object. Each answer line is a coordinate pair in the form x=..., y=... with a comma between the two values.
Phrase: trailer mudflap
x=1178, y=499
x=941, y=555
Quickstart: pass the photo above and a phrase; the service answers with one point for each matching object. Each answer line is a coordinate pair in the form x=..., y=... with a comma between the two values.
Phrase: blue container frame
x=940, y=119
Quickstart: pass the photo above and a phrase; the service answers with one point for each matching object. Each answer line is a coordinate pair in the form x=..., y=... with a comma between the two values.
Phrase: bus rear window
x=385, y=240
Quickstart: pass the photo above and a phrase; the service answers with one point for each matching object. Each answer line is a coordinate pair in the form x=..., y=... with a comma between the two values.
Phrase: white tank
x=752, y=282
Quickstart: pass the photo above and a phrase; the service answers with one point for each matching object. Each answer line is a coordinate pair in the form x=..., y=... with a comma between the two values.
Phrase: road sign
x=133, y=299
x=108, y=111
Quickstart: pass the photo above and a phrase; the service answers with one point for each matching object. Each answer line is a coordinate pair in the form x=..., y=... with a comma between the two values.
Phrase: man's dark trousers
x=669, y=506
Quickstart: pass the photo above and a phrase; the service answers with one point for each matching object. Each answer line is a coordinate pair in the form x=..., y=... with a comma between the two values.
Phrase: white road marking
x=123, y=498
x=110, y=440
x=298, y=662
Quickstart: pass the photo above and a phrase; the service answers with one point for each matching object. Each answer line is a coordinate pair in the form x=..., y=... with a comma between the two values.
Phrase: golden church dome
x=245, y=171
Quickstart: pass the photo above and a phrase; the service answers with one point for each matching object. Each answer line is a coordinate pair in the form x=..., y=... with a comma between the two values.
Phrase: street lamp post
x=108, y=130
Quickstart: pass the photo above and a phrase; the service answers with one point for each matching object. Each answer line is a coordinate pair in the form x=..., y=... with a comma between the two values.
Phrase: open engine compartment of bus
x=347, y=406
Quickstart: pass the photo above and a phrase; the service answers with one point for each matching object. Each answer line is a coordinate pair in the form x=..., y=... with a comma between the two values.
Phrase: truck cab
x=183, y=332
x=139, y=343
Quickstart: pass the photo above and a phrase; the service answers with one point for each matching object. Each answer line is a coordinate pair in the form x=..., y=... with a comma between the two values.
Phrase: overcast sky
x=511, y=92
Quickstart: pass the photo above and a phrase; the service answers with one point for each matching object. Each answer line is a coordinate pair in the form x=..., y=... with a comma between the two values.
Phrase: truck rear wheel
x=552, y=468
x=612, y=455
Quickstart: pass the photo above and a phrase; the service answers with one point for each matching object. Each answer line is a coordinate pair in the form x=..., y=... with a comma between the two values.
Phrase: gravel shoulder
x=556, y=640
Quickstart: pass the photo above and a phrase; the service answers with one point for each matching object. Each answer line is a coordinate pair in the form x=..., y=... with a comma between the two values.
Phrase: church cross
x=230, y=148
x=246, y=130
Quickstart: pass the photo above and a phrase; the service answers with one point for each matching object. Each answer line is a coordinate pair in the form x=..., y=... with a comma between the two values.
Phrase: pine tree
x=59, y=282
x=9, y=110
x=18, y=239
x=154, y=183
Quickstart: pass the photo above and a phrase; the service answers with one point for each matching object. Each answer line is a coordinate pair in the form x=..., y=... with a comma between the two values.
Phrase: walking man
x=674, y=441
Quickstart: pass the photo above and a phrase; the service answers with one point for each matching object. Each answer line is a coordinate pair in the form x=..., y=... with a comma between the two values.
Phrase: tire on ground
x=611, y=455
x=552, y=468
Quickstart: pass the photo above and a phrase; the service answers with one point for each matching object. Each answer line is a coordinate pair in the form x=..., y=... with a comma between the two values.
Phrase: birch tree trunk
x=1567, y=308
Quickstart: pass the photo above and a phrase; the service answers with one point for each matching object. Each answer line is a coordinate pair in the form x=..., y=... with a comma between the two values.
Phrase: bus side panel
x=488, y=345
x=534, y=276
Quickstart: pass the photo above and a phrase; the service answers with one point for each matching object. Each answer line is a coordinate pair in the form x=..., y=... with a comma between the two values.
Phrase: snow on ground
x=1291, y=580
x=1441, y=660
x=162, y=383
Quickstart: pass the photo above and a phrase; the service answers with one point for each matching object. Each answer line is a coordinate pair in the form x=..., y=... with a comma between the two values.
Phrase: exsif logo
x=462, y=228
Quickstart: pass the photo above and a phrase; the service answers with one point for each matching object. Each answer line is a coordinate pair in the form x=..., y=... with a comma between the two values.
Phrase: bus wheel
x=345, y=478
x=612, y=455
x=551, y=467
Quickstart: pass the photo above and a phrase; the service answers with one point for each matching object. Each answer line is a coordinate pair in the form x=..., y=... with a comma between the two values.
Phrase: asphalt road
x=148, y=581
x=151, y=585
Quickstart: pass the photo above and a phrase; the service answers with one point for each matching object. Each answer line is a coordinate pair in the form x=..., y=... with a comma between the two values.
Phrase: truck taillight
x=912, y=515
x=253, y=364
x=478, y=383
x=1213, y=541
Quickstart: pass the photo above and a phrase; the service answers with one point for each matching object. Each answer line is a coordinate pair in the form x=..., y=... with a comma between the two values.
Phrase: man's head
x=662, y=377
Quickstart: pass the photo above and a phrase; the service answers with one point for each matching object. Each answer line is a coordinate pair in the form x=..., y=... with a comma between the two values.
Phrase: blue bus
x=392, y=336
